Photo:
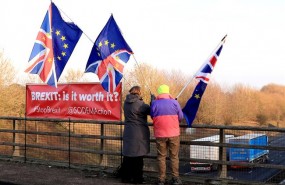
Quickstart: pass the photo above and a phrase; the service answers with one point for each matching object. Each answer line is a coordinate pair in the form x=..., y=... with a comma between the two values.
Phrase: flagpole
x=93, y=42
x=74, y=23
x=141, y=73
x=184, y=87
x=222, y=41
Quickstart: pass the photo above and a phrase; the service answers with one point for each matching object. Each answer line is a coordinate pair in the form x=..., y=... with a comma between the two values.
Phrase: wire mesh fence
x=231, y=153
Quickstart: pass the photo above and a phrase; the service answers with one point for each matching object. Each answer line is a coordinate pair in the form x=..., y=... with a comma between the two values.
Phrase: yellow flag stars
x=104, y=43
x=63, y=38
x=197, y=96
x=65, y=45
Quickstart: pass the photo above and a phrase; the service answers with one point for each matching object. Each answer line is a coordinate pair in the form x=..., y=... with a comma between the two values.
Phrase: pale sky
x=177, y=34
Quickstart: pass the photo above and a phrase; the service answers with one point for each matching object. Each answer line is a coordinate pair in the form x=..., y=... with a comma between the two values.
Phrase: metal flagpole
x=222, y=41
x=184, y=87
x=141, y=73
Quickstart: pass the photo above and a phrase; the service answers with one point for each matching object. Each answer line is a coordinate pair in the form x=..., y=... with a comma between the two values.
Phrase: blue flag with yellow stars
x=203, y=75
x=192, y=105
x=109, y=55
x=54, y=45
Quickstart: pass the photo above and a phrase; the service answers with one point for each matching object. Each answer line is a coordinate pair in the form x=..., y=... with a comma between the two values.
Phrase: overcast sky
x=179, y=33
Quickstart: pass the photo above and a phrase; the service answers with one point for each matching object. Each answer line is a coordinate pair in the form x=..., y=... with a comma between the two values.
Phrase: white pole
x=222, y=41
x=185, y=87
x=141, y=73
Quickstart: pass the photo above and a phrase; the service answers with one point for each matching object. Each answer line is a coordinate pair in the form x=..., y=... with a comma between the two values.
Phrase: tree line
x=235, y=105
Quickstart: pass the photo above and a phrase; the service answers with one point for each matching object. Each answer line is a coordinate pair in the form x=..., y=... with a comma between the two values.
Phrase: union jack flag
x=109, y=55
x=203, y=75
x=205, y=71
x=54, y=45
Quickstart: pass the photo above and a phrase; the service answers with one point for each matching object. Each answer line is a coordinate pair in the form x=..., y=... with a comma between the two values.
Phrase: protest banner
x=85, y=101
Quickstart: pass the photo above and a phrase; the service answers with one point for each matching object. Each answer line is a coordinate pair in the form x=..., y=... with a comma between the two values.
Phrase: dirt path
x=18, y=173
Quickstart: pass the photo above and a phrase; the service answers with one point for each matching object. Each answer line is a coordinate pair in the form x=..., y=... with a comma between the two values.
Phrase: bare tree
x=7, y=71
x=73, y=76
x=272, y=103
x=12, y=100
x=31, y=78
x=235, y=105
x=150, y=78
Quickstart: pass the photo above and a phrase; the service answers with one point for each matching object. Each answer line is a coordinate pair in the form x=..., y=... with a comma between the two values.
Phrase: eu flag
x=109, y=55
x=191, y=108
x=203, y=75
x=54, y=45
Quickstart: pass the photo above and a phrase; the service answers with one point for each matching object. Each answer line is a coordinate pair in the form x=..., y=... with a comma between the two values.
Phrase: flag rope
x=87, y=37
x=93, y=42
x=74, y=23
x=220, y=43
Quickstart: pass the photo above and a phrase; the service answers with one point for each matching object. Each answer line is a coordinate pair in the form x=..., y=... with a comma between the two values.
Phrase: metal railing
x=99, y=143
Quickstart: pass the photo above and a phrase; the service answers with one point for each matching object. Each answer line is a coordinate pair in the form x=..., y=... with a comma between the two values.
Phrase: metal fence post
x=222, y=155
x=121, y=140
x=69, y=142
x=101, y=143
x=16, y=149
x=25, y=153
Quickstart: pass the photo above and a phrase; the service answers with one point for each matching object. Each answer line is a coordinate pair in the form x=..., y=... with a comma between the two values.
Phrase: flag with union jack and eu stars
x=109, y=55
x=203, y=75
x=54, y=45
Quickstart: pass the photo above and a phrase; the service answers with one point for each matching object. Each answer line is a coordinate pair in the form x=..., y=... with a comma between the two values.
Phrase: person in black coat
x=136, y=137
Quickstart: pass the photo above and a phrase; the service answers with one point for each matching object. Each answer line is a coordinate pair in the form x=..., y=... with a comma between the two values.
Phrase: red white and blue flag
x=203, y=75
x=205, y=71
x=54, y=45
x=108, y=56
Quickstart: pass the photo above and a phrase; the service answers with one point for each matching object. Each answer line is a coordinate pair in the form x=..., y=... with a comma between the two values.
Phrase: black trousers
x=132, y=169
